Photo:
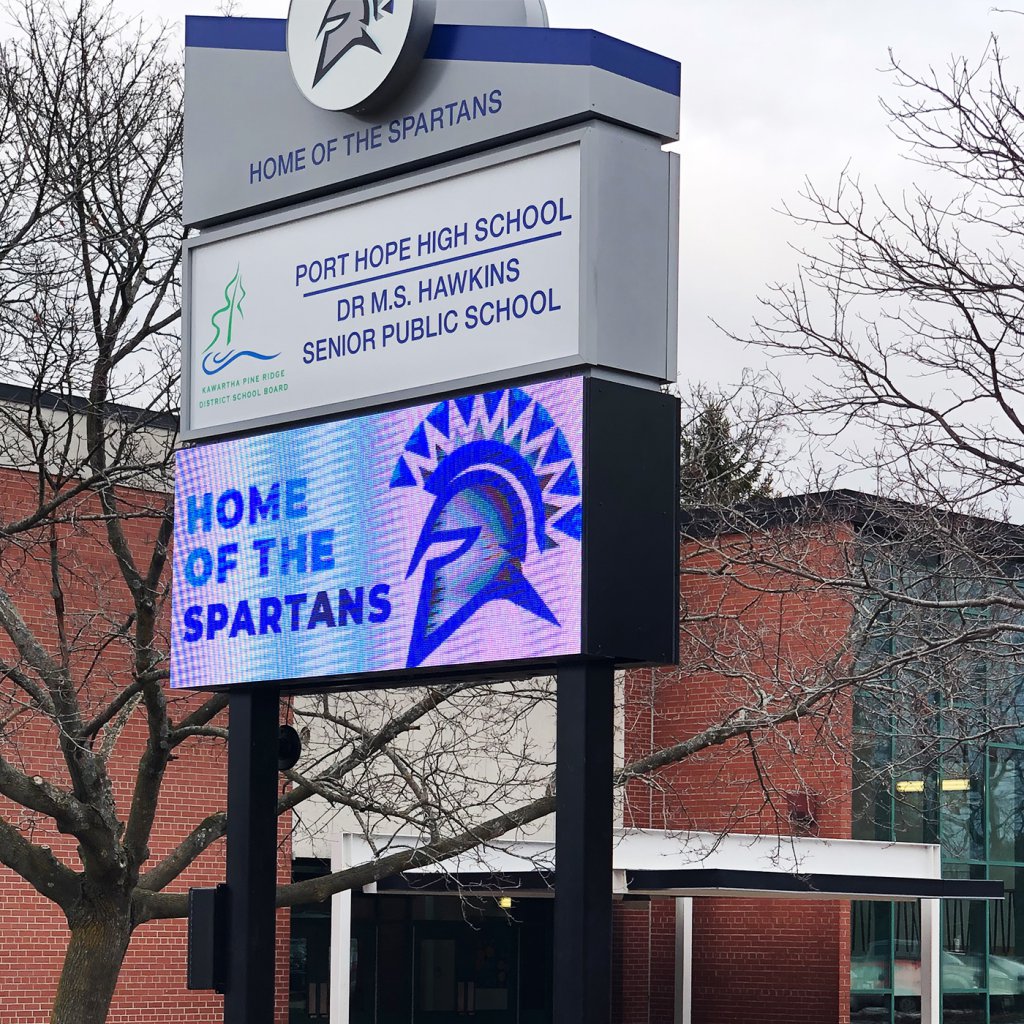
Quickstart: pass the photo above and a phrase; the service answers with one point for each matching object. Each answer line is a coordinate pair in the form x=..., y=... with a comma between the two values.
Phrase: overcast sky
x=772, y=92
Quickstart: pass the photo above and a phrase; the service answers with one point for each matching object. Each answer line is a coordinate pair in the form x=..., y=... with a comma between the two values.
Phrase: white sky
x=772, y=92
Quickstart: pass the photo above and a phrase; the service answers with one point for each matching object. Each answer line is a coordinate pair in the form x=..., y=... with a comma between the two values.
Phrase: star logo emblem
x=345, y=26
x=355, y=56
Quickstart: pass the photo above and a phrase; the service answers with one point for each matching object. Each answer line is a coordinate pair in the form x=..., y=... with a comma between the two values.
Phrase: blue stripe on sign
x=579, y=47
x=236, y=33
x=486, y=44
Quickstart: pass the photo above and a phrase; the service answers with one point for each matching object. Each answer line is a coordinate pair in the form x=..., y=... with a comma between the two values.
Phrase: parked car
x=961, y=972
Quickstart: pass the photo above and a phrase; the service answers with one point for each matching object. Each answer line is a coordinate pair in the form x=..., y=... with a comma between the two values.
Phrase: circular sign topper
x=355, y=55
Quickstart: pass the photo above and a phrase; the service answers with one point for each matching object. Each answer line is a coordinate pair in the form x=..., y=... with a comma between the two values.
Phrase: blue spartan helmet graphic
x=504, y=483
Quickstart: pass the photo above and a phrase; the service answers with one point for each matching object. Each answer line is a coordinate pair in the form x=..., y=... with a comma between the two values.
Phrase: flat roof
x=657, y=864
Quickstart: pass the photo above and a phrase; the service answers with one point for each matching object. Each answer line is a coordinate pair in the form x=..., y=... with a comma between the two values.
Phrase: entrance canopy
x=680, y=866
x=657, y=864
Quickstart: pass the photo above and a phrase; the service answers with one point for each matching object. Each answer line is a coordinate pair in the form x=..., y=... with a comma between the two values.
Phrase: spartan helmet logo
x=357, y=55
x=345, y=26
x=506, y=490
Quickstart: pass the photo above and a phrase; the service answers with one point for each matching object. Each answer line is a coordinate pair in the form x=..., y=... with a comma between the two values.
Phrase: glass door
x=310, y=974
x=466, y=972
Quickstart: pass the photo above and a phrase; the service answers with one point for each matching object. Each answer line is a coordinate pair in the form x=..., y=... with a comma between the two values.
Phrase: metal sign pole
x=252, y=855
x=583, y=865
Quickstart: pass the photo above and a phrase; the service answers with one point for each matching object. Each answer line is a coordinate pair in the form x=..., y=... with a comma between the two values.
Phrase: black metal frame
x=584, y=833
x=252, y=855
x=670, y=884
x=207, y=939
x=631, y=524
x=857, y=887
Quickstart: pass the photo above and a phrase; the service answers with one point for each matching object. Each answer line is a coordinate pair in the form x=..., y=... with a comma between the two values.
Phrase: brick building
x=767, y=628
x=763, y=625
x=94, y=602
x=938, y=764
x=757, y=619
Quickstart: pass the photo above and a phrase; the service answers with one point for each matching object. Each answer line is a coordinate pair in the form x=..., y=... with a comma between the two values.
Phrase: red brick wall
x=771, y=961
x=631, y=970
x=755, y=630
x=33, y=933
x=643, y=989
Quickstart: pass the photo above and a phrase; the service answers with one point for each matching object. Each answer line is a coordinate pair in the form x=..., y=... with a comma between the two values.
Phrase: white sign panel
x=468, y=277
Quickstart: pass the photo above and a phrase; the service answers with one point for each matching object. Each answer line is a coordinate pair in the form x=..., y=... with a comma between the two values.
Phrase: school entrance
x=424, y=959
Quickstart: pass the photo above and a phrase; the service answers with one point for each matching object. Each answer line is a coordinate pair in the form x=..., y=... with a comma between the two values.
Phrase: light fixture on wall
x=803, y=812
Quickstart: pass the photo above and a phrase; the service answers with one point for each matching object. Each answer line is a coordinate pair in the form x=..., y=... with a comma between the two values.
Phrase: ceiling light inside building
x=910, y=786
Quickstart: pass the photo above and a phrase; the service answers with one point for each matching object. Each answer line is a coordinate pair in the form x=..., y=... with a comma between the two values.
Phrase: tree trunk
x=99, y=941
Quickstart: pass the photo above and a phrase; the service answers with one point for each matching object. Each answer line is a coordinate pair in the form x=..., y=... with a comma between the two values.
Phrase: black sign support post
x=252, y=855
x=583, y=865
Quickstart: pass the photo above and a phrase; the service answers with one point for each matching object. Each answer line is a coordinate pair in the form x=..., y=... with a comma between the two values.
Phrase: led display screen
x=449, y=534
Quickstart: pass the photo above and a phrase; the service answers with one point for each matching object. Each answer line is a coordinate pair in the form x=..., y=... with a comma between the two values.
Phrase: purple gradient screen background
x=355, y=487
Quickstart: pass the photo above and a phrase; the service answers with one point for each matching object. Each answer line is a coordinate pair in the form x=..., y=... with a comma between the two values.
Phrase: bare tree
x=904, y=326
x=90, y=739
x=89, y=254
x=906, y=314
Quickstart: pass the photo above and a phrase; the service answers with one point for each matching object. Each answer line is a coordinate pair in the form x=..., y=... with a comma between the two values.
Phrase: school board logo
x=355, y=55
x=227, y=328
